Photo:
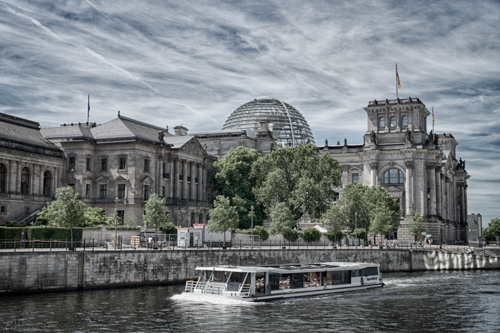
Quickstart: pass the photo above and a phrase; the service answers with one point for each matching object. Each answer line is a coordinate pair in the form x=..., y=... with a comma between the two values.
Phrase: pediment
x=102, y=179
x=147, y=180
x=121, y=178
x=70, y=177
x=394, y=189
x=193, y=146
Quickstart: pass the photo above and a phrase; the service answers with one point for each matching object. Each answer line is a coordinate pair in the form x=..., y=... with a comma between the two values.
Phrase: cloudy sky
x=194, y=62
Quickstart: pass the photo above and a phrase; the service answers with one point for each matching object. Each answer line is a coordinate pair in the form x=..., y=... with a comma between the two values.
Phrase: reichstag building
x=120, y=163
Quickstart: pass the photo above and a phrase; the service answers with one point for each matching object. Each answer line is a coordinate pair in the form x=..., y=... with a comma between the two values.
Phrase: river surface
x=466, y=301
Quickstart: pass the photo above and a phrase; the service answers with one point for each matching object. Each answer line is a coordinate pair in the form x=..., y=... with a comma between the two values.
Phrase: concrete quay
x=26, y=271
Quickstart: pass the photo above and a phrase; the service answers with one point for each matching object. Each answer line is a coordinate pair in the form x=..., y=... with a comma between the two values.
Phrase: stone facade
x=30, y=168
x=119, y=164
x=417, y=167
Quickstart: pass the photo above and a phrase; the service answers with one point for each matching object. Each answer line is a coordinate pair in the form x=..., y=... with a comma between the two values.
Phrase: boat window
x=327, y=278
x=298, y=280
x=312, y=279
x=285, y=281
x=204, y=276
x=369, y=271
x=260, y=283
x=237, y=277
x=337, y=277
x=355, y=273
x=220, y=276
x=274, y=281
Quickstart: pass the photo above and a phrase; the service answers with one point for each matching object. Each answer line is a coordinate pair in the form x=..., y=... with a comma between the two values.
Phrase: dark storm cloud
x=194, y=62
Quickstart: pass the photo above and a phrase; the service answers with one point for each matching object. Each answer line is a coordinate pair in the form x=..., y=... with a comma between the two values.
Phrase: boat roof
x=290, y=268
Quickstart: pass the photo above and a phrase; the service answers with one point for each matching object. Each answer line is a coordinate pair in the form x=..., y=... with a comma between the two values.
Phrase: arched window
x=393, y=122
x=2, y=178
x=381, y=122
x=393, y=176
x=47, y=181
x=404, y=121
x=25, y=181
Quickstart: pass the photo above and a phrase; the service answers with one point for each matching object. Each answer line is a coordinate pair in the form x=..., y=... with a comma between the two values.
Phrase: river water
x=465, y=301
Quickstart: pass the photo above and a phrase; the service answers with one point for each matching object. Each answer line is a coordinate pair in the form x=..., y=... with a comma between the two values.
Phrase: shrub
x=40, y=221
x=169, y=229
x=335, y=236
x=262, y=232
x=311, y=235
x=54, y=233
x=291, y=235
x=11, y=232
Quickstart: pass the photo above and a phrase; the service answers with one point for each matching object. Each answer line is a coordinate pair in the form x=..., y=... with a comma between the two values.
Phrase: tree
x=262, y=232
x=334, y=235
x=415, y=224
x=233, y=179
x=65, y=211
x=311, y=235
x=291, y=235
x=494, y=227
x=223, y=216
x=369, y=208
x=299, y=177
x=281, y=219
x=155, y=212
x=334, y=222
x=94, y=216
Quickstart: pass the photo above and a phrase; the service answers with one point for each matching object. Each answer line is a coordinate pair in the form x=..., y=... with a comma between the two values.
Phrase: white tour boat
x=274, y=282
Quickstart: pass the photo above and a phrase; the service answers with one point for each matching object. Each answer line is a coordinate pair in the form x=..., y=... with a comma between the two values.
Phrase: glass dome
x=289, y=126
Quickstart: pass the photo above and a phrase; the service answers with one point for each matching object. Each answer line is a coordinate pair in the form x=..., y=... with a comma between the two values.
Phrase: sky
x=192, y=63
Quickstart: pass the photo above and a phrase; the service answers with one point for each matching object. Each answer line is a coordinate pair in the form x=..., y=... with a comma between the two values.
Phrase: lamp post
x=251, y=237
x=116, y=220
x=356, y=221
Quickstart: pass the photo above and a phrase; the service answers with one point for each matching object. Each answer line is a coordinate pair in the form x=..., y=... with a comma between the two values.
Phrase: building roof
x=23, y=131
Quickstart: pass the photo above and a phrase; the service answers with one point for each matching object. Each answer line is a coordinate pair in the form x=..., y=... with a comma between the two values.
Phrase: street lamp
x=356, y=240
x=116, y=220
x=251, y=239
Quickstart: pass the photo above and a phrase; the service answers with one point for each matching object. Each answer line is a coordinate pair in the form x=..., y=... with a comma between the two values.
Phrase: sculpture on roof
x=161, y=135
x=373, y=137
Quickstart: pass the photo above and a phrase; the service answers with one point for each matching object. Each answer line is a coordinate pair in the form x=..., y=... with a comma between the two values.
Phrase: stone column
x=462, y=204
x=41, y=178
x=432, y=183
x=408, y=187
x=171, y=179
x=204, y=184
x=185, y=194
x=200, y=182
x=18, y=177
x=193, y=178
x=177, y=183
x=345, y=174
x=373, y=172
x=439, y=193
x=160, y=178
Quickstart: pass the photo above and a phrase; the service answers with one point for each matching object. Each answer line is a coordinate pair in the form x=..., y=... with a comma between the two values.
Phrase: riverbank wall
x=27, y=272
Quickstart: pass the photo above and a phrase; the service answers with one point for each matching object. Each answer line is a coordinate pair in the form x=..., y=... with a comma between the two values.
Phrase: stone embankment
x=24, y=272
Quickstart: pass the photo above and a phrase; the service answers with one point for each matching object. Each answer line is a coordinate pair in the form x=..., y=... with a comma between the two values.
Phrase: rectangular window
x=355, y=178
x=163, y=191
x=71, y=164
x=87, y=191
x=88, y=163
x=102, y=191
x=122, y=163
x=104, y=164
x=146, y=192
x=2, y=209
x=121, y=191
x=120, y=214
x=336, y=196
x=146, y=165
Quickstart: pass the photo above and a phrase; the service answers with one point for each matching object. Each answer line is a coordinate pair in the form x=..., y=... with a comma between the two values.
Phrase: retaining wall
x=44, y=271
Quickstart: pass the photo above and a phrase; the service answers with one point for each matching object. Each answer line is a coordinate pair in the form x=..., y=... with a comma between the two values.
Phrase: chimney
x=181, y=130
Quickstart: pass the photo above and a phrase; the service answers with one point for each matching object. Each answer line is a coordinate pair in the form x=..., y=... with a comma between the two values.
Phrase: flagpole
x=88, y=109
x=433, y=119
x=397, y=81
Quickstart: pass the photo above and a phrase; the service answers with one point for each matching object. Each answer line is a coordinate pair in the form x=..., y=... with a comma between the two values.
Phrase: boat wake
x=213, y=299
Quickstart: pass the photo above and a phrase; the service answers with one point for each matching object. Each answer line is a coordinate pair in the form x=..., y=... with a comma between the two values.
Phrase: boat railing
x=244, y=289
x=214, y=288
x=190, y=285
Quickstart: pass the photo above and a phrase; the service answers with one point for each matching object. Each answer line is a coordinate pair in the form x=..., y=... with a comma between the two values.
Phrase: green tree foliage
x=494, y=227
x=94, y=216
x=262, y=232
x=65, y=211
x=291, y=235
x=311, y=235
x=415, y=224
x=223, y=216
x=114, y=219
x=298, y=176
x=155, y=215
x=233, y=179
x=281, y=219
x=376, y=211
x=335, y=235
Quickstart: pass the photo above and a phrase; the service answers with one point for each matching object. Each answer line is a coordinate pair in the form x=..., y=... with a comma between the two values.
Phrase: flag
x=88, y=108
x=397, y=78
x=433, y=118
